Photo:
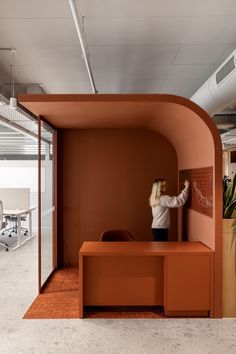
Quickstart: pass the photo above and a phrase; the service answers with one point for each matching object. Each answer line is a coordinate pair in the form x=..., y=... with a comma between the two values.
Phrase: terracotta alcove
x=110, y=147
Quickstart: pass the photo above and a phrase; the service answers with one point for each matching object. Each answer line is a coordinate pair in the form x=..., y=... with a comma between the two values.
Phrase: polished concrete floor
x=18, y=287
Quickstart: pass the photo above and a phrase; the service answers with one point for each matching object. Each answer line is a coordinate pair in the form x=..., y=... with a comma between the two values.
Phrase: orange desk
x=177, y=275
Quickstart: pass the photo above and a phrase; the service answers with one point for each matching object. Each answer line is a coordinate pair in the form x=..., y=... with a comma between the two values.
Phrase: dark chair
x=116, y=235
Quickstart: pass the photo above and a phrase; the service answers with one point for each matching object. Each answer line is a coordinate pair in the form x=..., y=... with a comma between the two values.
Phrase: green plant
x=229, y=197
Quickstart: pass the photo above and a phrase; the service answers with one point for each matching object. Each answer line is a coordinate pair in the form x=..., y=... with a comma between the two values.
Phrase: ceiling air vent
x=225, y=70
x=218, y=91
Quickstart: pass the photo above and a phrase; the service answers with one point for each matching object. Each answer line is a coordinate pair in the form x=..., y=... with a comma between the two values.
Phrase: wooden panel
x=229, y=269
x=187, y=283
x=197, y=313
x=81, y=286
x=201, y=194
x=100, y=172
x=123, y=281
x=212, y=286
x=143, y=248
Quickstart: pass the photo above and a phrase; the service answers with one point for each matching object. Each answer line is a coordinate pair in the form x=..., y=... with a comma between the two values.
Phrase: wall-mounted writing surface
x=201, y=189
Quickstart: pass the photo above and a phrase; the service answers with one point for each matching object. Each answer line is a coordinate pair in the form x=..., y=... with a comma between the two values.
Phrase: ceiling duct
x=225, y=122
x=26, y=88
x=219, y=91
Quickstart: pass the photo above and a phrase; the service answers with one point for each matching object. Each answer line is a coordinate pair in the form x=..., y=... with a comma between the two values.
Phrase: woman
x=160, y=204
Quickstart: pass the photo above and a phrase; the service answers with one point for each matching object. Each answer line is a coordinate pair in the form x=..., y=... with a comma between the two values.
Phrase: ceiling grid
x=156, y=46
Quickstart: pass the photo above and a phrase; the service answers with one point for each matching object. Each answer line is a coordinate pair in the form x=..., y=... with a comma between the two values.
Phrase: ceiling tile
x=68, y=87
x=190, y=72
x=133, y=8
x=130, y=75
x=122, y=31
x=37, y=32
x=211, y=30
x=49, y=56
x=45, y=74
x=203, y=54
x=135, y=58
x=181, y=87
x=129, y=85
x=35, y=8
x=134, y=46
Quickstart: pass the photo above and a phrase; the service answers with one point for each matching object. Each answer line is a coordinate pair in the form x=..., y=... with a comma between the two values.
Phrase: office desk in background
x=18, y=213
x=176, y=275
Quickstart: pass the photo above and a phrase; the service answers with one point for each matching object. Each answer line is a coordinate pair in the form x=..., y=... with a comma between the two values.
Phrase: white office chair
x=2, y=225
x=12, y=220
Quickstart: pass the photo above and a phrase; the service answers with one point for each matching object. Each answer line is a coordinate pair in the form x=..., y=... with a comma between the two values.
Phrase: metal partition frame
x=54, y=173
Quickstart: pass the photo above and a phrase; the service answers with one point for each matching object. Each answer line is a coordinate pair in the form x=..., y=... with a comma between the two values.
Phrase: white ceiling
x=151, y=46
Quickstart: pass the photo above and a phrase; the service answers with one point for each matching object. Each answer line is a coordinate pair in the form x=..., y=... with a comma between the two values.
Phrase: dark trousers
x=160, y=234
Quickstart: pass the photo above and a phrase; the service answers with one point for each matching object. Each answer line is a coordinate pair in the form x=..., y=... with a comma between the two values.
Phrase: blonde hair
x=156, y=192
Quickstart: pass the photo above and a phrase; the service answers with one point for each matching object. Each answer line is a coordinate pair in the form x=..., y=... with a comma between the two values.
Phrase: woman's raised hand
x=186, y=183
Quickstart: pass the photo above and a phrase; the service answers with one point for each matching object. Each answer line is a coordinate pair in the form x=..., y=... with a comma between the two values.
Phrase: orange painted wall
x=195, y=149
x=105, y=179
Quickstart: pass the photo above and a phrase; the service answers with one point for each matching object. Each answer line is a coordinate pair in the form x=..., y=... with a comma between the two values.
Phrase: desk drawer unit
x=187, y=285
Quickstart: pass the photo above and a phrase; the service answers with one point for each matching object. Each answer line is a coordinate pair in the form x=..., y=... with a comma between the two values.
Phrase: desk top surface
x=18, y=212
x=140, y=248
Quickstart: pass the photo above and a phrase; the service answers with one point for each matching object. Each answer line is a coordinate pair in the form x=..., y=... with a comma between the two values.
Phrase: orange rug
x=125, y=312
x=60, y=299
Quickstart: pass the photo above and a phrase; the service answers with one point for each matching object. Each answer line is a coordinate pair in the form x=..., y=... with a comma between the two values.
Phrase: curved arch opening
x=185, y=128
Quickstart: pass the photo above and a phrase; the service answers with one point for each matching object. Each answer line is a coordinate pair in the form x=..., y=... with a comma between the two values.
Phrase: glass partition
x=46, y=203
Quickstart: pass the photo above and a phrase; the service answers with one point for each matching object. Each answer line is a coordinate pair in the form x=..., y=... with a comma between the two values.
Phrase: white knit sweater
x=161, y=212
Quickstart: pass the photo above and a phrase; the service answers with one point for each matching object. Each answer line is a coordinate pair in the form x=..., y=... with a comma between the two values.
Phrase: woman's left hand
x=186, y=183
